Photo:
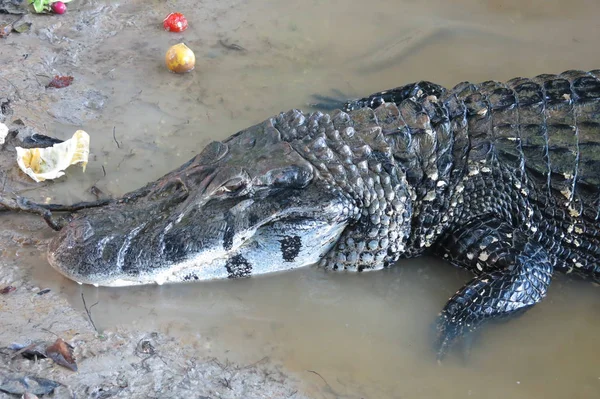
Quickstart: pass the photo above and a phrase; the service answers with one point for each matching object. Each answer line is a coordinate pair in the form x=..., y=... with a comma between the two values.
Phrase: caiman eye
x=232, y=187
x=290, y=176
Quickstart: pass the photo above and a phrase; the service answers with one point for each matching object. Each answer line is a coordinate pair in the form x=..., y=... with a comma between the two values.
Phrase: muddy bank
x=122, y=362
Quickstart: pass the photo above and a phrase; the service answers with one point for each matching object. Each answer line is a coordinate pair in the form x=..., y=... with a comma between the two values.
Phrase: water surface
x=368, y=335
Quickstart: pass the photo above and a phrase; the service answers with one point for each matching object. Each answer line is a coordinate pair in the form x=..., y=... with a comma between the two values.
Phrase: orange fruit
x=180, y=58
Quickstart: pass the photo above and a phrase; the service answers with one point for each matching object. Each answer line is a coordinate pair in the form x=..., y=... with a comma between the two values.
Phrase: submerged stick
x=20, y=204
x=89, y=311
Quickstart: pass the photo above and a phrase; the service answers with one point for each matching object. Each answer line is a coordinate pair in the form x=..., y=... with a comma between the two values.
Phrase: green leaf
x=38, y=5
x=24, y=27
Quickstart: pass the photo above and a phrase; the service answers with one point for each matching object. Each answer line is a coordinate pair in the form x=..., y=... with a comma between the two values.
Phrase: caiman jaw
x=227, y=213
x=169, y=251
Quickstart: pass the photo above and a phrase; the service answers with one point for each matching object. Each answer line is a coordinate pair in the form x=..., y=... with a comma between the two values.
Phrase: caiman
x=502, y=179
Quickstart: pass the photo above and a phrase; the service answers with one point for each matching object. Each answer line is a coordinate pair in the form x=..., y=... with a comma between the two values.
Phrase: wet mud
x=291, y=335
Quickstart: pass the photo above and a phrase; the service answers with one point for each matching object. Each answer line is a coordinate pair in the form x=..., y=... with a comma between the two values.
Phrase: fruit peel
x=49, y=163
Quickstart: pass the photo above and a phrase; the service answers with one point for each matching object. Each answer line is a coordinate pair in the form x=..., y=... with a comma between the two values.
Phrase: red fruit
x=175, y=22
x=58, y=7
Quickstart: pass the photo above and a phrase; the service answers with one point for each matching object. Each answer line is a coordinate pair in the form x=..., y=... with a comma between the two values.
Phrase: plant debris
x=89, y=311
x=25, y=384
x=43, y=292
x=49, y=163
x=59, y=82
x=62, y=354
x=22, y=28
x=44, y=6
x=7, y=290
x=146, y=347
x=5, y=30
x=39, y=141
x=231, y=46
x=36, y=350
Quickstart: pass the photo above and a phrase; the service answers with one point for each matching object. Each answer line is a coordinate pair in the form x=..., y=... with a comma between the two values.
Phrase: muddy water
x=368, y=335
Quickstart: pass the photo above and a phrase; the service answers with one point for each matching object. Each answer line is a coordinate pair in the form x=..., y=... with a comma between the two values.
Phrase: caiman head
x=248, y=205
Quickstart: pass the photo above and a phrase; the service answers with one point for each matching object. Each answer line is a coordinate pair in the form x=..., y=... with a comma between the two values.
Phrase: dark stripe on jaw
x=175, y=249
x=290, y=247
x=228, y=233
x=238, y=266
x=253, y=219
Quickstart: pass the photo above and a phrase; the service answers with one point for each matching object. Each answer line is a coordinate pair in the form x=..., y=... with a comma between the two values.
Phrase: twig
x=20, y=204
x=24, y=205
x=115, y=137
x=324, y=380
x=226, y=382
x=256, y=362
x=326, y=383
x=13, y=85
x=231, y=46
x=89, y=311
x=25, y=349
x=12, y=24
x=53, y=333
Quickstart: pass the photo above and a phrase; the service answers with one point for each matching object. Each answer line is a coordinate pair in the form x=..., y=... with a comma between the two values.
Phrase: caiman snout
x=248, y=206
x=95, y=249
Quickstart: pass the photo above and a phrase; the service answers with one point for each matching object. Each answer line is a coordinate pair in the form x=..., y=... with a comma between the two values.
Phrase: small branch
x=231, y=46
x=25, y=349
x=324, y=380
x=89, y=311
x=256, y=362
x=53, y=333
x=20, y=204
x=16, y=20
x=24, y=205
x=115, y=137
x=329, y=387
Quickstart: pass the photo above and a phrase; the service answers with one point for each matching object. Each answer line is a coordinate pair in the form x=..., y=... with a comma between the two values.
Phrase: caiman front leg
x=513, y=274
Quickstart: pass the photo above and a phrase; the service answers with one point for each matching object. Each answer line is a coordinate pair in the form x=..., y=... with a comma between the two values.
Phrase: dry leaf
x=19, y=385
x=7, y=290
x=62, y=354
x=5, y=30
x=31, y=351
x=58, y=82
x=24, y=27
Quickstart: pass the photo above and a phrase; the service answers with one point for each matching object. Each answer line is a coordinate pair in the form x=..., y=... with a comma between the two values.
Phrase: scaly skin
x=498, y=178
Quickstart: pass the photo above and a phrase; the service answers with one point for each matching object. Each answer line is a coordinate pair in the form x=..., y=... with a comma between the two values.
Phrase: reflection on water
x=367, y=335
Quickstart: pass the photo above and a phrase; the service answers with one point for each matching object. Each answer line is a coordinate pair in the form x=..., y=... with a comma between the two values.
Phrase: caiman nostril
x=83, y=231
x=72, y=236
